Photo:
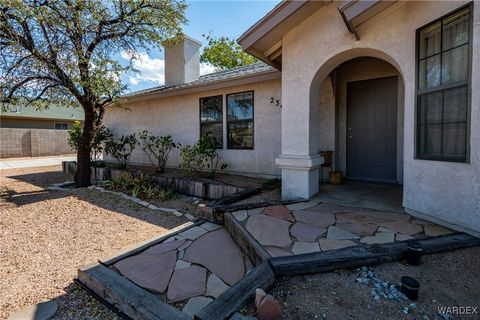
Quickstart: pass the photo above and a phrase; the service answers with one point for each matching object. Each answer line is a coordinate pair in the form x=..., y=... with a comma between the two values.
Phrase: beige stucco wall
x=448, y=191
x=179, y=117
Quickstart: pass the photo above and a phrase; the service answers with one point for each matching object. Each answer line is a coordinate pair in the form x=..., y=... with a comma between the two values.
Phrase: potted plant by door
x=336, y=177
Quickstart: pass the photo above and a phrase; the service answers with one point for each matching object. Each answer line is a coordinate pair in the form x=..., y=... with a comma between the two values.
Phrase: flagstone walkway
x=313, y=226
x=190, y=269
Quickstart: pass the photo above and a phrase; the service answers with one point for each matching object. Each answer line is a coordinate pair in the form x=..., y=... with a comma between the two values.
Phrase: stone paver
x=41, y=311
x=305, y=232
x=383, y=229
x=380, y=237
x=330, y=244
x=186, y=283
x=333, y=208
x=193, y=233
x=240, y=215
x=403, y=237
x=215, y=286
x=210, y=226
x=305, y=247
x=252, y=212
x=185, y=245
x=269, y=231
x=403, y=227
x=360, y=229
x=303, y=205
x=314, y=218
x=422, y=222
x=182, y=264
x=149, y=271
x=219, y=253
x=372, y=217
x=435, y=231
x=278, y=252
x=279, y=212
x=335, y=233
x=164, y=247
x=196, y=304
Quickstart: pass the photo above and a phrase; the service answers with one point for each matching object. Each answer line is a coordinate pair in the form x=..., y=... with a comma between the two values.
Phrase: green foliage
x=75, y=134
x=224, y=53
x=157, y=149
x=140, y=187
x=201, y=157
x=121, y=149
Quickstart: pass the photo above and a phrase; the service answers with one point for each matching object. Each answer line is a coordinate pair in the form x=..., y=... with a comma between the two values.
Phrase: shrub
x=157, y=149
x=201, y=157
x=75, y=134
x=140, y=187
x=121, y=149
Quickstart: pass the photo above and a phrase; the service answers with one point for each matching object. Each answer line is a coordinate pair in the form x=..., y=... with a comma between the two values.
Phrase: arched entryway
x=358, y=110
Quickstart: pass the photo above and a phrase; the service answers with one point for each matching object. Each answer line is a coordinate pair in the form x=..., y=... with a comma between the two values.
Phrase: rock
x=403, y=237
x=305, y=232
x=40, y=311
x=239, y=316
x=314, y=218
x=372, y=217
x=269, y=231
x=164, y=247
x=193, y=233
x=434, y=230
x=379, y=237
x=335, y=233
x=186, y=283
x=422, y=222
x=279, y=212
x=278, y=252
x=329, y=244
x=149, y=271
x=153, y=207
x=305, y=247
x=196, y=304
x=383, y=229
x=215, y=286
x=269, y=309
x=182, y=264
x=240, y=215
x=189, y=217
x=185, y=245
x=360, y=229
x=218, y=252
x=403, y=227
x=260, y=294
x=210, y=226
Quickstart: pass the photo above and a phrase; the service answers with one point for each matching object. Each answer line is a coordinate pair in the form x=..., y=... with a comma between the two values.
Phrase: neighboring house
x=387, y=85
x=28, y=132
x=53, y=117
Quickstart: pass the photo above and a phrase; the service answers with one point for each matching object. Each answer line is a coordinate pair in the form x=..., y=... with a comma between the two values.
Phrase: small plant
x=201, y=156
x=140, y=187
x=75, y=134
x=121, y=149
x=157, y=149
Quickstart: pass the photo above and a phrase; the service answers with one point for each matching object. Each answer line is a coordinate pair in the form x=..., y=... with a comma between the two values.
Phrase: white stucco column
x=299, y=159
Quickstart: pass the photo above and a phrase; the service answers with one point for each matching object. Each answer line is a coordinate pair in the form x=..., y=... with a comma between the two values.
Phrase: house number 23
x=275, y=102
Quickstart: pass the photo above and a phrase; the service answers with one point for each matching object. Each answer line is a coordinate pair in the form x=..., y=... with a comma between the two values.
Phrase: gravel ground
x=449, y=279
x=45, y=236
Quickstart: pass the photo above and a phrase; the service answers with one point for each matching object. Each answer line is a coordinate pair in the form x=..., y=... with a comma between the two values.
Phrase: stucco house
x=390, y=86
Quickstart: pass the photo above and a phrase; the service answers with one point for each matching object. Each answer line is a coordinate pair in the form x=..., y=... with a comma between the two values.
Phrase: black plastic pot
x=410, y=287
x=414, y=253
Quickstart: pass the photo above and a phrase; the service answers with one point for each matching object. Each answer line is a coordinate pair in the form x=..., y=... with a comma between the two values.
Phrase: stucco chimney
x=182, y=61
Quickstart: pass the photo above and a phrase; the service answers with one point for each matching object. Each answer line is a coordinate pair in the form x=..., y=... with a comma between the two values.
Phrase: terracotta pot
x=336, y=177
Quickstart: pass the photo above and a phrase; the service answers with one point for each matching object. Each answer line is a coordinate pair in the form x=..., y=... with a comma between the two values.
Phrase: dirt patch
x=450, y=279
x=46, y=236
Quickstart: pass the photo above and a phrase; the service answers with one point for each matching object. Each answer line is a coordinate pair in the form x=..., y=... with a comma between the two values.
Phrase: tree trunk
x=82, y=176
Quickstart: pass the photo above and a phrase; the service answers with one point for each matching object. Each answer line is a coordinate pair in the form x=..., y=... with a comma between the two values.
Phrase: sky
x=222, y=18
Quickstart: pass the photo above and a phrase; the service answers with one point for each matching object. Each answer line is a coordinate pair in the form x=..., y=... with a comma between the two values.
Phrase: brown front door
x=372, y=129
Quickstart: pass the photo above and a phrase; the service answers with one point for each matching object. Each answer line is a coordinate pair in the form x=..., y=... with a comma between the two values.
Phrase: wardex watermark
x=458, y=310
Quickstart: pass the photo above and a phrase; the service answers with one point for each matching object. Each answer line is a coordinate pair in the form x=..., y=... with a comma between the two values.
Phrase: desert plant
x=201, y=157
x=121, y=149
x=140, y=187
x=157, y=149
x=75, y=133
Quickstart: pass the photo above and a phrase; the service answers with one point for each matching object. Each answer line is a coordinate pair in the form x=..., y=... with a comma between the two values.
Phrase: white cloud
x=152, y=70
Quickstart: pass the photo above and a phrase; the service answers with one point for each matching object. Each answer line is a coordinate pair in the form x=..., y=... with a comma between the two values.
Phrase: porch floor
x=387, y=197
